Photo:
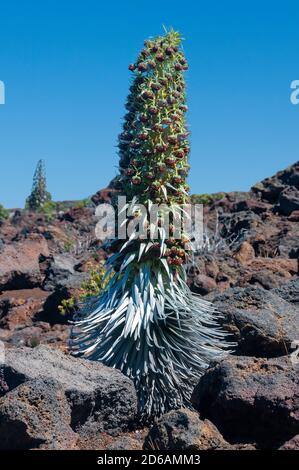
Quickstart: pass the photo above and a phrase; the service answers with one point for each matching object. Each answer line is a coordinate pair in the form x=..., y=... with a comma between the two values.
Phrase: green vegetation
x=83, y=203
x=93, y=286
x=206, y=199
x=49, y=210
x=4, y=213
x=39, y=195
x=69, y=245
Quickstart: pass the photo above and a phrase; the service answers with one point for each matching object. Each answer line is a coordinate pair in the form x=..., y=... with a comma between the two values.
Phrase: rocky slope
x=248, y=267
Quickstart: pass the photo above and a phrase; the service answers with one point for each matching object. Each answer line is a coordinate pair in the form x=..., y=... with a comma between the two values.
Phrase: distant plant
x=93, y=286
x=83, y=203
x=49, y=210
x=4, y=213
x=34, y=341
x=39, y=195
x=207, y=199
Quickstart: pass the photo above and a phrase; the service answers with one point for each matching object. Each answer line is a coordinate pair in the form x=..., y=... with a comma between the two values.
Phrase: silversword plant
x=147, y=322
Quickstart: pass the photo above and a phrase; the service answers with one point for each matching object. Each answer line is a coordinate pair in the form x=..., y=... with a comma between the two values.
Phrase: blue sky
x=64, y=65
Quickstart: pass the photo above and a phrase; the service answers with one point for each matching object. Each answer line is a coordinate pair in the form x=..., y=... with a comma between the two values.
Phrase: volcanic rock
x=36, y=415
x=262, y=323
x=250, y=399
x=184, y=430
x=101, y=399
x=19, y=263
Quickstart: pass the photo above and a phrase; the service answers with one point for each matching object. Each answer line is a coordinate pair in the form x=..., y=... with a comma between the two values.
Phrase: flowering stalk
x=147, y=322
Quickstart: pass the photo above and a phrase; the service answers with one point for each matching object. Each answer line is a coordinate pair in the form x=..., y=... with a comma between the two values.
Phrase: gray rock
x=36, y=415
x=285, y=242
x=125, y=443
x=253, y=205
x=101, y=398
x=270, y=188
x=289, y=291
x=65, y=262
x=4, y=307
x=240, y=223
x=251, y=400
x=262, y=323
x=288, y=201
x=61, y=274
x=184, y=430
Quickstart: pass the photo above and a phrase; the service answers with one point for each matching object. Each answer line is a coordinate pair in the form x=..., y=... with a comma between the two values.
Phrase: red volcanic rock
x=77, y=213
x=245, y=253
x=18, y=308
x=103, y=196
x=19, y=263
x=202, y=284
x=269, y=272
x=211, y=267
x=251, y=205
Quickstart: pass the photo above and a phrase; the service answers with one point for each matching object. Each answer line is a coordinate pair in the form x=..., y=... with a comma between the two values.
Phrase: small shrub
x=48, y=209
x=34, y=341
x=83, y=203
x=69, y=245
x=206, y=199
x=4, y=213
x=94, y=285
